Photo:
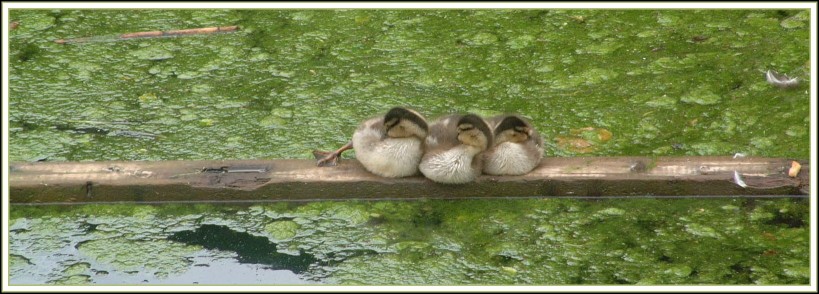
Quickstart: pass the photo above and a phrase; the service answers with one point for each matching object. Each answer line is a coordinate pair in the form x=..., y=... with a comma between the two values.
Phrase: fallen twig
x=151, y=34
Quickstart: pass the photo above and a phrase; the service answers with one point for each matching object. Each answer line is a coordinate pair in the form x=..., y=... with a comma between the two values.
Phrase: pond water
x=433, y=242
x=594, y=83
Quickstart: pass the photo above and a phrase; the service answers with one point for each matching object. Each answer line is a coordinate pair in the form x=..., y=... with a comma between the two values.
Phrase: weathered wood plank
x=266, y=180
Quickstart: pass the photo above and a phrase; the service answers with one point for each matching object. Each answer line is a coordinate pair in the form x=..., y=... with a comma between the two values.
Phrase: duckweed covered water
x=594, y=82
x=662, y=82
x=533, y=242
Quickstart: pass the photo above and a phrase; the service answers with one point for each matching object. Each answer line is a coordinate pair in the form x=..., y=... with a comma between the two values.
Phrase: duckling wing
x=369, y=134
x=443, y=134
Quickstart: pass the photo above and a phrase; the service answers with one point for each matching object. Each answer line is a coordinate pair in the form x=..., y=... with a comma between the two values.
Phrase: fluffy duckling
x=388, y=146
x=453, y=149
x=518, y=147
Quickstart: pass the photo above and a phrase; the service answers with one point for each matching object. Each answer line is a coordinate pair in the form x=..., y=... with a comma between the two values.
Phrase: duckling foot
x=324, y=158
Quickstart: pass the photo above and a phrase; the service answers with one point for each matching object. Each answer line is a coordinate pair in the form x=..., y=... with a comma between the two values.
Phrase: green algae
x=291, y=81
x=701, y=97
x=282, y=230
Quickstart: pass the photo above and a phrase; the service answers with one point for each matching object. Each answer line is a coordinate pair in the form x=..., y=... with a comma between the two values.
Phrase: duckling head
x=513, y=129
x=474, y=131
x=401, y=122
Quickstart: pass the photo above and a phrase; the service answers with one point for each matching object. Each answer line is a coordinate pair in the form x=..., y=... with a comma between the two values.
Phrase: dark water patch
x=82, y=129
x=28, y=52
x=250, y=249
x=427, y=216
x=341, y=255
x=22, y=259
x=133, y=134
x=740, y=273
x=88, y=227
x=790, y=220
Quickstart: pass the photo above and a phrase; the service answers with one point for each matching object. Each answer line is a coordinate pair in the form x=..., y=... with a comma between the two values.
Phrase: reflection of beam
x=287, y=179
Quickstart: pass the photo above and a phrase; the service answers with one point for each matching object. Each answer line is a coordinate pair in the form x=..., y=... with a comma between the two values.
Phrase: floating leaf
x=574, y=144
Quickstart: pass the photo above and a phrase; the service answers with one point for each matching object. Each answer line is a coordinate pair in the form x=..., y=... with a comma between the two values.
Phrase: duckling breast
x=453, y=166
x=509, y=158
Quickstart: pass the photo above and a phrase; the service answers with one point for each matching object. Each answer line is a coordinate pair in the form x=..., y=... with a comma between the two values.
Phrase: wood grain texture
x=277, y=180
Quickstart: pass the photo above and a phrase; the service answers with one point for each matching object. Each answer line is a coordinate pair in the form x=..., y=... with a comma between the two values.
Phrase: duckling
x=453, y=149
x=518, y=147
x=388, y=146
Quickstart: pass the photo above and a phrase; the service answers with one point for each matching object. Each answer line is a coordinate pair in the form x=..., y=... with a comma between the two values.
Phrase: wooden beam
x=276, y=180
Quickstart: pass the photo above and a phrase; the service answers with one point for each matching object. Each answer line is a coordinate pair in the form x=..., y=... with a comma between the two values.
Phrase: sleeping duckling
x=388, y=146
x=453, y=149
x=518, y=147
